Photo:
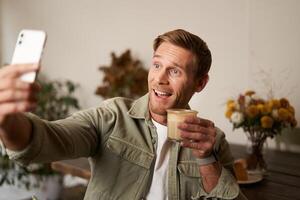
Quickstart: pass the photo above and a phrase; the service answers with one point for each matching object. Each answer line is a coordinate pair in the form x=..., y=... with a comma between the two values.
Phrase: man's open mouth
x=161, y=93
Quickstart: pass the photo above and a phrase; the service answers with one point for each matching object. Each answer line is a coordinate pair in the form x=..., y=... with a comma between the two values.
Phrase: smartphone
x=29, y=49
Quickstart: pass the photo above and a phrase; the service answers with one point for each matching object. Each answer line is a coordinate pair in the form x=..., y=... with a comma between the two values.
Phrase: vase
x=255, y=150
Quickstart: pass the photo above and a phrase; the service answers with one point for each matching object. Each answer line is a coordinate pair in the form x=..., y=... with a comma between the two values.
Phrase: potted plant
x=55, y=100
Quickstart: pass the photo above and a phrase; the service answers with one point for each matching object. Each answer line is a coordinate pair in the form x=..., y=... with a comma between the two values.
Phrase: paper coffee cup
x=176, y=116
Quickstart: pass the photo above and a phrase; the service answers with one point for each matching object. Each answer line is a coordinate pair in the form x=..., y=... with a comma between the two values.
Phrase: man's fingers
x=200, y=146
x=16, y=95
x=198, y=120
x=192, y=127
x=16, y=70
x=8, y=83
x=200, y=149
x=196, y=136
x=16, y=107
x=199, y=135
x=191, y=144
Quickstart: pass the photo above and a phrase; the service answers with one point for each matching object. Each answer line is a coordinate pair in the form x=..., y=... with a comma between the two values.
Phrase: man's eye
x=174, y=72
x=156, y=65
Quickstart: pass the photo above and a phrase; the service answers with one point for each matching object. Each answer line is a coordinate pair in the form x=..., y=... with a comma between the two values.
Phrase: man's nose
x=162, y=77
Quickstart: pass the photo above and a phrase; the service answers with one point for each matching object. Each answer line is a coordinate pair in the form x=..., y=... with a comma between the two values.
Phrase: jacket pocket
x=130, y=152
x=189, y=180
x=189, y=169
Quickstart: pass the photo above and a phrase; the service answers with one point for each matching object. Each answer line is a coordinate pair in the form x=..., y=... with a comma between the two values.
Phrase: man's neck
x=162, y=119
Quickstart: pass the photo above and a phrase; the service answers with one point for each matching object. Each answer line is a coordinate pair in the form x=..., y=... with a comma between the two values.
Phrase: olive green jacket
x=120, y=140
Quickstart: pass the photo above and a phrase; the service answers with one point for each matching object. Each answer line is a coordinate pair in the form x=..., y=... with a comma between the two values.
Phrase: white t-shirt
x=159, y=186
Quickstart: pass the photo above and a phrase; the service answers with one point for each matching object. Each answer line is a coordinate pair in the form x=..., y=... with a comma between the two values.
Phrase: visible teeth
x=161, y=93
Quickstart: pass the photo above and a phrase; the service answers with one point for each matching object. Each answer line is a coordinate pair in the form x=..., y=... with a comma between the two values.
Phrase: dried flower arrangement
x=125, y=77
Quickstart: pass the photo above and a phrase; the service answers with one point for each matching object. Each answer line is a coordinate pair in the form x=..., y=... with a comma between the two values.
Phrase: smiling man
x=172, y=78
x=126, y=140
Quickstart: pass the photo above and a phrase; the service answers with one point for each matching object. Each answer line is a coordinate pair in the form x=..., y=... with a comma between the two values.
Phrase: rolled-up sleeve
x=227, y=186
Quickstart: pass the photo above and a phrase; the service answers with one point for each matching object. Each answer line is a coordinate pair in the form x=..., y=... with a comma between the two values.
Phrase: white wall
x=274, y=54
x=242, y=35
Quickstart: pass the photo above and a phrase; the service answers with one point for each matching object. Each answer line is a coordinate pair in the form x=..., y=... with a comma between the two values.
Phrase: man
x=125, y=140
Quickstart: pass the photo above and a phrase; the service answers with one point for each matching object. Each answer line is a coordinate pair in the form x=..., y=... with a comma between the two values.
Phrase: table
x=282, y=181
x=77, y=167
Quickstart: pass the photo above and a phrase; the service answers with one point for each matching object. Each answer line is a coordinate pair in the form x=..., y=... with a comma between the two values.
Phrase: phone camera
x=20, y=42
x=22, y=34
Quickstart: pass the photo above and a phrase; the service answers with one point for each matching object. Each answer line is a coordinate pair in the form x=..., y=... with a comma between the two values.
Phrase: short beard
x=157, y=110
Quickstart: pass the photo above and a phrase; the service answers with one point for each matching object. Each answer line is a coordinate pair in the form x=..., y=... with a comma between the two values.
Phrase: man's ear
x=201, y=83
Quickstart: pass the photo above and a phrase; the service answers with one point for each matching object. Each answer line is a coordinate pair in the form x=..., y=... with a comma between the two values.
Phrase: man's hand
x=15, y=95
x=198, y=134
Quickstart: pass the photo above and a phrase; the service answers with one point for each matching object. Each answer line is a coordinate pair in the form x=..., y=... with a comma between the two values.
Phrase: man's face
x=171, y=79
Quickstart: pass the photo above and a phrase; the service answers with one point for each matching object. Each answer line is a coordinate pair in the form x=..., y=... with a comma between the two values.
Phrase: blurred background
x=254, y=43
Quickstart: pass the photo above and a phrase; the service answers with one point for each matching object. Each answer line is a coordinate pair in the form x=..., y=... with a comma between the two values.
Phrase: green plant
x=125, y=77
x=55, y=100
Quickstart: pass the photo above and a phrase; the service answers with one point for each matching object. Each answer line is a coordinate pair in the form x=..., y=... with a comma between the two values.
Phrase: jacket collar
x=139, y=108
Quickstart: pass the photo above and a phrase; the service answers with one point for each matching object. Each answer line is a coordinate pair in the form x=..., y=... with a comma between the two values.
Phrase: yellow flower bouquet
x=253, y=113
x=260, y=118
